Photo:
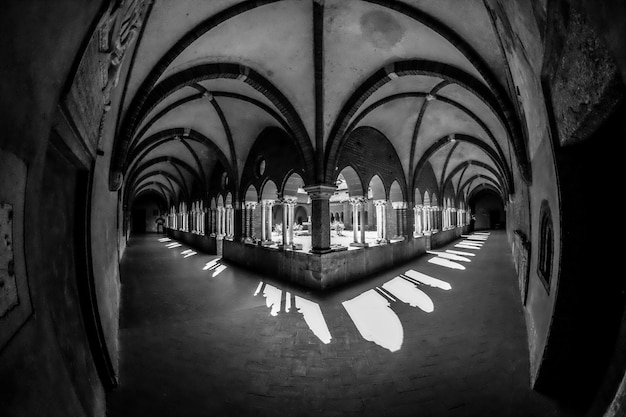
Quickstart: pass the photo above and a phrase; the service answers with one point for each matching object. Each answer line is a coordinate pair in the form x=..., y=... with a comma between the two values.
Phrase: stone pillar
x=381, y=221
x=362, y=222
x=355, y=220
x=320, y=216
x=288, y=205
x=285, y=210
x=267, y=220
x=400, y=208
x=263, y=222
x=248, y=224
x=270, y=220
x=290, y=218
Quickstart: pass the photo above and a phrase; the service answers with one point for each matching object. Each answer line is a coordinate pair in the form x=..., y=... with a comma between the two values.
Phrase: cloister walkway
x=446, y=337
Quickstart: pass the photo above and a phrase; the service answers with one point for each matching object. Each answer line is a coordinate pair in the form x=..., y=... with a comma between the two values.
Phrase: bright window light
x=314, y=318
x=458, y=252
x=218, y=270
x=428, y=280
x=446, y=262
x=409, y=294
x=451, y=256
x=375, y=321
x=463, y=246
x=211, y=264
x=272, y=298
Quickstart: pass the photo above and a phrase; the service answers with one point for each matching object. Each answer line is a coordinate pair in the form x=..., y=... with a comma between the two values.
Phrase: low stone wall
x=202, y=243
x=443, y=237
x=313, y=270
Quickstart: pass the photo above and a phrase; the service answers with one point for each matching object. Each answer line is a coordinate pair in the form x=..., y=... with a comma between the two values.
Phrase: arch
x=378, y=188
x=426, y=199
x=434, y=201
x=395, y=192
x=353, y=181
x=220, y=201
x=269, y=191
x=138, y=151
x=292, y=184
x=228, y=201
x=251, y=195
x=503, y=171
x=497, y=101
x=142, y=105
x=213, y=203
x=301, y=215
x=418, y=197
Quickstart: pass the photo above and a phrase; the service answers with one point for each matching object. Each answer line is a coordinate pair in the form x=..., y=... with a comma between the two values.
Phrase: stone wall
x=331, y=269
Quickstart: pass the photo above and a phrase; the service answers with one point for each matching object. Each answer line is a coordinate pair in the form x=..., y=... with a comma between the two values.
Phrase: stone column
x=285, y=209
x=263, y=222
x=381, y=221
x=355, y=220
x=362, y=222
x=288, y=206
x=270, y=220
x=320, y=216
x=400, y=208
x=290, y=218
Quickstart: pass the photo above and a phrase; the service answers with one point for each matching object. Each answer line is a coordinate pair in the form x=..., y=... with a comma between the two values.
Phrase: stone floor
x=196, y=340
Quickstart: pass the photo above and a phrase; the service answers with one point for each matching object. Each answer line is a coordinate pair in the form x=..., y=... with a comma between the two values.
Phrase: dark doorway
x=494, y=219
x=139, y=221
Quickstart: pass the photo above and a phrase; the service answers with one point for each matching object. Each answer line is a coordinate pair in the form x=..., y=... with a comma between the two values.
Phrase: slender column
x=285, y=207
x=263, y=222
x=249, y=224
x=362, y=222
x=270, y=219
x=245, y=217
x=379, y=220
x=292, y=209
x=320, y=216
x=222, y=221
x=355, y=220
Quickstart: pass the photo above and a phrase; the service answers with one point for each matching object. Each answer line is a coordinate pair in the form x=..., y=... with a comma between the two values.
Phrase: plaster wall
x=46, y=365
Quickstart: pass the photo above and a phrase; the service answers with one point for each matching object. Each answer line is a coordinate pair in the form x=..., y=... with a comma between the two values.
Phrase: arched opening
x=294, y=235
x=269, y=195
x=487, y=210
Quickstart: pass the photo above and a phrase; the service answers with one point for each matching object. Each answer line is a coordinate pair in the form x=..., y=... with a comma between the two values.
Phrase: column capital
x=289, y=201
x=250, y=204
x=357, y=201
x=320, y=191
x=380, y=202
x=268, y=202
x=399, y=205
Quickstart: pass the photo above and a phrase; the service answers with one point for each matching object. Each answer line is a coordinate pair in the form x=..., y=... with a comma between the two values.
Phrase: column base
x=320, y=251
x=359, y=245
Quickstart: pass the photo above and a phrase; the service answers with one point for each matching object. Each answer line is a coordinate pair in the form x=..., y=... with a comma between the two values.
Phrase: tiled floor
x=197, y=341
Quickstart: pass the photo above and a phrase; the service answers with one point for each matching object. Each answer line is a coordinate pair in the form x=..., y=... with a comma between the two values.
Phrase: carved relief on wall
x=89, y=97
x=8, y=285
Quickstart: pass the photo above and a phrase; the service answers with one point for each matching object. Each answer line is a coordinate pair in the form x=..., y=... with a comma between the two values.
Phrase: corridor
x=442, y=335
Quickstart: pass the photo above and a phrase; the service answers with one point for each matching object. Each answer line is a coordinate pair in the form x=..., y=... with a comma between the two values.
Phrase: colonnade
x=358, y=220
x=220, y=221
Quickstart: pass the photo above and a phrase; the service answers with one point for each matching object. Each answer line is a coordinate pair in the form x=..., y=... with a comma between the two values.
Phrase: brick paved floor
x=195, y=344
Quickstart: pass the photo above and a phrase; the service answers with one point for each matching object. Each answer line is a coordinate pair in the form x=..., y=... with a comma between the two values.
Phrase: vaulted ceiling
x=208, y=77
